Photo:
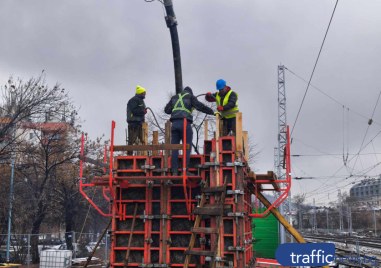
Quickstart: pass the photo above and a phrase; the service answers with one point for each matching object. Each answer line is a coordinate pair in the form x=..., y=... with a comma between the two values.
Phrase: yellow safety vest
x=229, y=113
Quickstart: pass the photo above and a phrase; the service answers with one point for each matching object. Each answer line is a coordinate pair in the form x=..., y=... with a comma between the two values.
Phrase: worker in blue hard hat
x=180, y=106
x=136, y=110
x=227, y=104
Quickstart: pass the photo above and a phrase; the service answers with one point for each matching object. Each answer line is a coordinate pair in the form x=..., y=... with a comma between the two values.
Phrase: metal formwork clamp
x=147, y=167
x=153, y=265
x=208, y=165
x=236, y=215
x=237, y=249
x=149, y=240
x=160, y=170
x=249, y=241
x=155, y=217
x=150, y=184
x=217, y=259
x=235, y=164
x=235, y=193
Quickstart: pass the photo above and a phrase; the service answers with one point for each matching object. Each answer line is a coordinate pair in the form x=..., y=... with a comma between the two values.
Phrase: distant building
x=367, y=192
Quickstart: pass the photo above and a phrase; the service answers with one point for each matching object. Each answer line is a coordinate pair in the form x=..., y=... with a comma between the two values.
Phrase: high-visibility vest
x=229, y=113
x=179, y=105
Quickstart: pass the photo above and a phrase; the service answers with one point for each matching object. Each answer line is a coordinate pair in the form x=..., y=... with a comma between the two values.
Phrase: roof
x=368, y=182
x=47, y=126
x=5, y=120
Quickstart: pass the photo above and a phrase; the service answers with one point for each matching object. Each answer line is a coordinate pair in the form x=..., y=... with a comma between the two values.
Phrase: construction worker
x=136, y=110
x=179, y=107
x=227, y=104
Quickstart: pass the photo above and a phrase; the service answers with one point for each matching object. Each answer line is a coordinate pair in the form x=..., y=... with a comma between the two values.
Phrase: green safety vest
x=179, y=105
x=229, y=113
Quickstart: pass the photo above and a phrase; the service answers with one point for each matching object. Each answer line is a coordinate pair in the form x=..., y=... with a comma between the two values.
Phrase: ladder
x=215, y=210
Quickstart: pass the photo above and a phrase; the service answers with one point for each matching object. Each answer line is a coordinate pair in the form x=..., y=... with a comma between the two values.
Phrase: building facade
x=367, y=192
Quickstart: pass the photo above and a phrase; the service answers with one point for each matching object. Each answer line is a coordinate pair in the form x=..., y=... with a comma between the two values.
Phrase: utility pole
x=282, y=140
x=340, y=212
x=349, y=220
x=375, y=222
x=171, y=21
x=314, y=223
x=326, y=211
x=10, y=208
x=300, y=217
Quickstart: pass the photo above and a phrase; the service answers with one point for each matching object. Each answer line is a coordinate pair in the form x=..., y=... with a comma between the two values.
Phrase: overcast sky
x=100, y=50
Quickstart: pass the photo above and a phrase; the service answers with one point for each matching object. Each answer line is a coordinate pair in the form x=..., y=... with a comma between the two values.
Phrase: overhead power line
x=313, y=71
x=330, y=97
x=366, y=132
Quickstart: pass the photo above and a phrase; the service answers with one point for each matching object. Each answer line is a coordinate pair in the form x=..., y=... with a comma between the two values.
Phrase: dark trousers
x=177, y=132
x=228, y=124
x=135, y=132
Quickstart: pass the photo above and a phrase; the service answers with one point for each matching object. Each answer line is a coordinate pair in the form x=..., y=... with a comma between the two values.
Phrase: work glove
x=209, y=97
x=220, y=108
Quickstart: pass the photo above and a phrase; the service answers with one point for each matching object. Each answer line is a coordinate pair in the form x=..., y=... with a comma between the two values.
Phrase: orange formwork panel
x=164, y=204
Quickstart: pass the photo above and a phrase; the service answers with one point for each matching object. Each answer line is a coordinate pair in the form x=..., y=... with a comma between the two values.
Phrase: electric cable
x=157, y=123
x=367, y=129
x=330, y=97
x=313, y=71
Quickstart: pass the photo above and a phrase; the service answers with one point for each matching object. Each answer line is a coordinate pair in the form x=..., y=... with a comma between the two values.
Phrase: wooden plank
x=238, y=133
x=204, y=230
x=298, y=237
x=210, y=211
x=218, y=189
x=149, y=147
x=200, y=253
x=155, y=141
x=216, y=182
x=246, y=146
x=145, y=136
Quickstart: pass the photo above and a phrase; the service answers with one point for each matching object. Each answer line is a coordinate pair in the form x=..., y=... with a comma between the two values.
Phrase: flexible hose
x=154, y=117
x=197, y=127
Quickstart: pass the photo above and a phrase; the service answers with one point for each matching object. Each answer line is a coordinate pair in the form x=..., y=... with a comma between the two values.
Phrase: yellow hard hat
x=140, y=90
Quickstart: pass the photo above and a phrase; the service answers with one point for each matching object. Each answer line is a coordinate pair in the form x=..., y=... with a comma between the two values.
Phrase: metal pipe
x=171, y=21
x=10, y=209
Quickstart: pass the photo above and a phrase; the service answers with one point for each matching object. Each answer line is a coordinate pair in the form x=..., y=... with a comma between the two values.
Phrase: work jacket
x=228, y=100
x=136, y=110
x=181, y=106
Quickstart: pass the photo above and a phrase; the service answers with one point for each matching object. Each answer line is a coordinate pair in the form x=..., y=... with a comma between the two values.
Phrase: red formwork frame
x=160, y=201
x=285, y=184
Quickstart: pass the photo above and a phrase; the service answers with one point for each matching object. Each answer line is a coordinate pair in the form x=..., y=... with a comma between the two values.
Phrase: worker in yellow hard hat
x=136, y=110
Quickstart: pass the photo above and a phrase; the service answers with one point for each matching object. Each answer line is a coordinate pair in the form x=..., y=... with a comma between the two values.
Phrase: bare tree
x=299, y=201
x=21, y=101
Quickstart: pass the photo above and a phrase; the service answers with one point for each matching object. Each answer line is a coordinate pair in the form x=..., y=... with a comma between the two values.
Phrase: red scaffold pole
x=82, y=185
x=185, y=165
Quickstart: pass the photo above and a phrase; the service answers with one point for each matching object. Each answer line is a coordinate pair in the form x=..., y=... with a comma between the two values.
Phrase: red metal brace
x=82, y=185
x=287, y=181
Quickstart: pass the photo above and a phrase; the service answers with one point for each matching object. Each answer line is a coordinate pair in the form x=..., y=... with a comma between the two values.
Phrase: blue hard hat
x=220, y=84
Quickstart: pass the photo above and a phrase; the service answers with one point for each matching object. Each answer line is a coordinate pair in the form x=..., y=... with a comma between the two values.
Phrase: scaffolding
x=160, y=220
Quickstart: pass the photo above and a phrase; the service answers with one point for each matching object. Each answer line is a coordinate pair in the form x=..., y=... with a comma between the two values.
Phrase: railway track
x=364, y=242
x=349, y=257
